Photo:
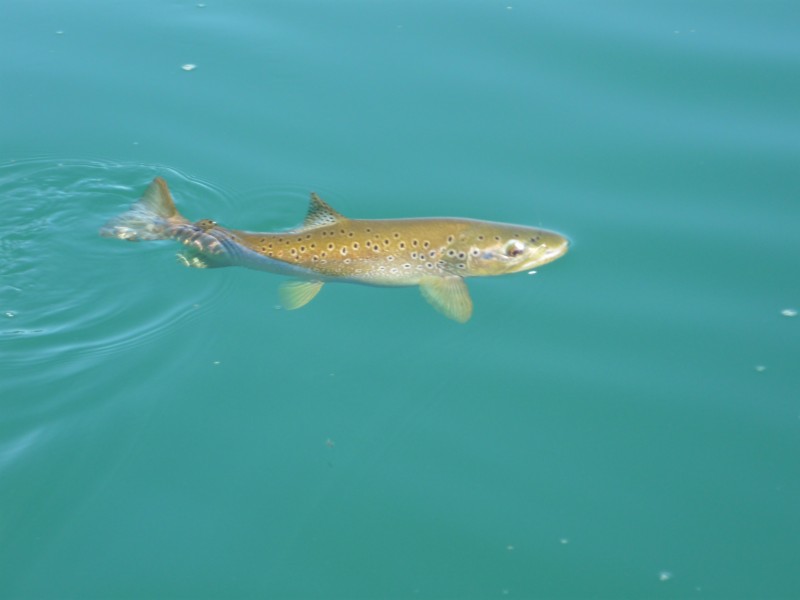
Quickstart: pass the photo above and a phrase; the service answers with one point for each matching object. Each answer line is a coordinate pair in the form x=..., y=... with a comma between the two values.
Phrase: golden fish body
x=434, y=253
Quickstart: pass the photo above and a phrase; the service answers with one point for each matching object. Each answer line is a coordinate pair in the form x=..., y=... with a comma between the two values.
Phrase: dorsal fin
x=320, y=214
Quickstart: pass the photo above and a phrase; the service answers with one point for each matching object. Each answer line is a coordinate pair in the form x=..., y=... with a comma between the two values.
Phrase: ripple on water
x=69, y=298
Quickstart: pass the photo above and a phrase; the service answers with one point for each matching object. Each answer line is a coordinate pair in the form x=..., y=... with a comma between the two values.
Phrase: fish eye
x=514, y=248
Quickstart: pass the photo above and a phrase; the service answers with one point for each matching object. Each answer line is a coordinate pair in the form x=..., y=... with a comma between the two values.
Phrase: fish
x=436, y=254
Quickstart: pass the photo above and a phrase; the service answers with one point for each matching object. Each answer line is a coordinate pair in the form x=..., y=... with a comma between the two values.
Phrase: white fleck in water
x=789, y=312
x=564, y=541
x=532, y=272
x=189, y=67
x=216, y=363
x=664, y=576
x=60, y=32
x=10, y=314
x=201, y=5
x=509, y=547
x=761, y=368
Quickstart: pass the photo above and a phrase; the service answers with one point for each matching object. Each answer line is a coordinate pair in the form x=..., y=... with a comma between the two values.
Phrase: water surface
x=624, y=423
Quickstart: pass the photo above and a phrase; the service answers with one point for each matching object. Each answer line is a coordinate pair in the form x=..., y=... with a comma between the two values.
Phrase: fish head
x=498, y=249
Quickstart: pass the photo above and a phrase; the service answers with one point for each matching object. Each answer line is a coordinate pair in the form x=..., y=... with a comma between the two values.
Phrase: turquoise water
x=623, y=424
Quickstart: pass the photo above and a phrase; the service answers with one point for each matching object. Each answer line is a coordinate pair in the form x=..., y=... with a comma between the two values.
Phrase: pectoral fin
x=448, y=295
x=295, y=294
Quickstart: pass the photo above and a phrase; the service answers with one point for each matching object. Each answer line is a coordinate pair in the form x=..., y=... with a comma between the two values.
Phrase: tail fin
x=153, y=217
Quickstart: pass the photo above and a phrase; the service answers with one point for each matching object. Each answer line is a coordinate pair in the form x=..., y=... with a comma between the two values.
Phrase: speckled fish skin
x=434, y=253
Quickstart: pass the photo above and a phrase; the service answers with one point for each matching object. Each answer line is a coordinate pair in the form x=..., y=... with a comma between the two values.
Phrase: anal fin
x=295, y=294
x=449, y=295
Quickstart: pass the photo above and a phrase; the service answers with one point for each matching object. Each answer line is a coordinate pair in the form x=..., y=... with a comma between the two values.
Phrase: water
x=624, y=423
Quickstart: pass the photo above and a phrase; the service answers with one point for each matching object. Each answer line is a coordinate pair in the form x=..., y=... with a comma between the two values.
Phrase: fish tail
x=153, y=217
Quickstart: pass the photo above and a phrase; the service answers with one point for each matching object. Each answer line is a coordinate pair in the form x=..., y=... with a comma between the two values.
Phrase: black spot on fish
x=402, y=245
x=450, y=239
x=385, y=242
x=302, y=248
x=344, y=250
x=480, y=237
x=351, y=234
x=432, y=253
x=355, y=245
x=413, y=255
x=451, y=253
x=414, y=243
x=330, y=246
x=369, y=230
x=426, y=244
x=396, y=235
x=461, y=255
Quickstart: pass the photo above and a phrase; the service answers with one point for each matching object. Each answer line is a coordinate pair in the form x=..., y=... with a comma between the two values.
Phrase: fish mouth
x=550, y=250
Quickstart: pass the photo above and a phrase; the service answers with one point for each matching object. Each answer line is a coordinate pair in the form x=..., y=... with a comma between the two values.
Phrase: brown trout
x=434, y=253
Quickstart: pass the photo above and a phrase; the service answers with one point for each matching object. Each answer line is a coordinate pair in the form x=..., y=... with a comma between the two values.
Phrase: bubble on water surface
x=188, y=67
x=789, y=312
